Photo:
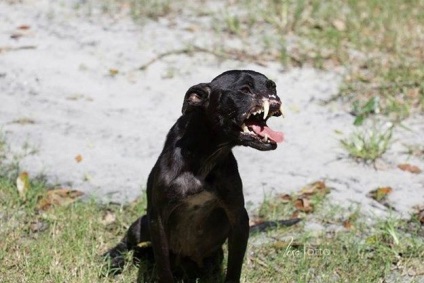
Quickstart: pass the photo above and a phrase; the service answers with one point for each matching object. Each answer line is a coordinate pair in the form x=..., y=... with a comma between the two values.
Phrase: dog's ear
x=197, y=97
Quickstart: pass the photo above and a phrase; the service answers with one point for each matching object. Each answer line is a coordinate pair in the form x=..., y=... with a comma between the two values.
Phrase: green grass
x=362, y=253
x=64, y=244
x=367, y=144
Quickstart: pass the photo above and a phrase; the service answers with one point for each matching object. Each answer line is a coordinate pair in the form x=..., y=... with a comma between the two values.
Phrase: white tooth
x=265, y=138
x=248, y=116
x=266, y=108
x=281, y=110
x=245, y=129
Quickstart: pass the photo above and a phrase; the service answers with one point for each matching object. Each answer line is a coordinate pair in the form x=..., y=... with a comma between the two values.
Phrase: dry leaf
x=256, y=220
x=420, y=214
x=285, y=198
x=113, y=72
x=410, y=168
x=340, y=25
x=295, y=214
x=314, y=188
x=108, y=218
x=24, y=27
x=304, y=205
x=413, y=93
x=380, y=194
x=38, y=226
x=58, y=197
x=78, y=158
x=22, y=184
x=347, y=224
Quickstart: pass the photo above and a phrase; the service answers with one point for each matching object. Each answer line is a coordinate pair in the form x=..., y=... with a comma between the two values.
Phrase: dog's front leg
x=160, y=247
x=237, y=243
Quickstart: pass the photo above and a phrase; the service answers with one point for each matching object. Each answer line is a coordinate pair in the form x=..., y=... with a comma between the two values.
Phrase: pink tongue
x=273, y=135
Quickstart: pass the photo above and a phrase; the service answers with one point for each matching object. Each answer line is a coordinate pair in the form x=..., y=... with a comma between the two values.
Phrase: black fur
x=194, y=191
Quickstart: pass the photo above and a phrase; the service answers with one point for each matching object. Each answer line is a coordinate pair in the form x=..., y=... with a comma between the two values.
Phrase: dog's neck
x=201, y=142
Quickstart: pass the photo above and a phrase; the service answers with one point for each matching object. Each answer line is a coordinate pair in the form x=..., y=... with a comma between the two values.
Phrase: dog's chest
x=198, y=226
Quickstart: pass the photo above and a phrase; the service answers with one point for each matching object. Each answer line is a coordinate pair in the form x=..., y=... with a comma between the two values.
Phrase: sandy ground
x=60, y=97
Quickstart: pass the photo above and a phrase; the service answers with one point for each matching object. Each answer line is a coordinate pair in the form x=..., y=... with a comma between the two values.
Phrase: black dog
x=194, y=192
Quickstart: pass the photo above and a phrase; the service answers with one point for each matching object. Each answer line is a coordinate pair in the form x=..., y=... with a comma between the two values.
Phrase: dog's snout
x=271, y=106
x=274, y=104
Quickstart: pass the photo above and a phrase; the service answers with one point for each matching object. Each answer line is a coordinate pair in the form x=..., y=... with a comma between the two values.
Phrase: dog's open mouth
x=255, y=124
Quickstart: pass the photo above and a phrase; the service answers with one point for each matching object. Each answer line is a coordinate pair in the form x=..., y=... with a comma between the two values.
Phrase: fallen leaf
x=78, y=158
x=380, y=194
x=410, y=168
x=193, y=28
x=38, y=226
x=304, y=205
x=24, y=27
x=420, y=214
x=255, y=220
x=58, y=197
x=295, y=214
x=340, y=25
x=22, y=184
x=413, y=93
x=347, y=224
x=23, y=121
x=108, y=218
x=314, y=188
x=285, y=198
x=113, y=72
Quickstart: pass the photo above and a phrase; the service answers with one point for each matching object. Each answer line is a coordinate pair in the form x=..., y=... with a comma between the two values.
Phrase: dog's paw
x=114, y=262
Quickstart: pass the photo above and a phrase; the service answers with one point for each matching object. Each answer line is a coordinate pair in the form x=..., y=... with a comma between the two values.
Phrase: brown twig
x=235, y=55
x=9, y=48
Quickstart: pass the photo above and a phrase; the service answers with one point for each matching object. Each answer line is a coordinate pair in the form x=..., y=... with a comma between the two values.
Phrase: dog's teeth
x=248, y=116
x=266, y=108
x=281, y=110
x=265, y=138
x=245, y=129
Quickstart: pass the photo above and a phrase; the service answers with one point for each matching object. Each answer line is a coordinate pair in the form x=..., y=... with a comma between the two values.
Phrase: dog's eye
x=245, y=89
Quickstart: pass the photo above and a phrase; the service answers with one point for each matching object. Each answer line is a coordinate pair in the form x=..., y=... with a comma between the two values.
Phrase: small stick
x=9, y=48
x=197, y=49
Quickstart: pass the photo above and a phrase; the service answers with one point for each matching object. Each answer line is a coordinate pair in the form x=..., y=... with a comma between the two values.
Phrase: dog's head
x=237, y=105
